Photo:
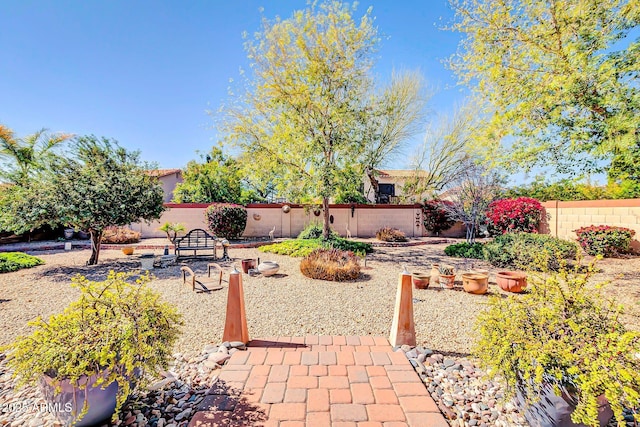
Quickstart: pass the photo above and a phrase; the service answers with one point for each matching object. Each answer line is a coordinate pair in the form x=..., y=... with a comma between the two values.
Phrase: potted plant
x=91, y=356
x=447, y=276
x=563, y=348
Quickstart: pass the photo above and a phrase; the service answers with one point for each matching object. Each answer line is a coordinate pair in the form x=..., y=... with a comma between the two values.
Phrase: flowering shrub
x=604, y=240
x=434, y=217
x=226, y=220
x=521, y=215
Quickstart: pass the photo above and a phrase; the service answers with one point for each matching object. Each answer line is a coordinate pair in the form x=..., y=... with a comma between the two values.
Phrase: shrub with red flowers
x=604, y=240
x=434, y=217
x=521, y=215
x=226, y=220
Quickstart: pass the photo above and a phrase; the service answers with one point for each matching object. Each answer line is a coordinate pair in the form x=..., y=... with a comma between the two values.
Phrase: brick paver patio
x=318, y=381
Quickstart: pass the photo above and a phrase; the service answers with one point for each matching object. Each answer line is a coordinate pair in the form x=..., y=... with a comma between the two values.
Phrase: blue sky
x=145, y=72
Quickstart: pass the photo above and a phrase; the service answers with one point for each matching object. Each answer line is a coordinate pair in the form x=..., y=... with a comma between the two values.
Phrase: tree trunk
x=96, y=238
x=374, y=185
x=326, y=228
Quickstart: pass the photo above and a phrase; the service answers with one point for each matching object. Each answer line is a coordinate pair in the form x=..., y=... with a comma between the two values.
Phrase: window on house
x=385, y=192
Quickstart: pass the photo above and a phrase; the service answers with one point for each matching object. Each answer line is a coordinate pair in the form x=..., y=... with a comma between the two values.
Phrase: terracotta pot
x=67, y=403
x=447, y=281
x=475, y=283
x=268, y=268
x=511, y=281
x=248, y=264
x=420, y=280
x=127, y=250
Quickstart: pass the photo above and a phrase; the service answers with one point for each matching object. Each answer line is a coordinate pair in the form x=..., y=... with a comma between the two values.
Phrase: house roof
x=402, y=173
x=159, y=173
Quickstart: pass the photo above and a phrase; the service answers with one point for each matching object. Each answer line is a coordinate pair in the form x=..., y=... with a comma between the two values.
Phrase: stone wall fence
x=562, y=218
x=361, y=220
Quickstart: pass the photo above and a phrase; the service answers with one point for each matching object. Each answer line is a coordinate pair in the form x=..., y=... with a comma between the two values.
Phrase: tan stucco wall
x=364, y=222
x=169, y=183
x=562, y=218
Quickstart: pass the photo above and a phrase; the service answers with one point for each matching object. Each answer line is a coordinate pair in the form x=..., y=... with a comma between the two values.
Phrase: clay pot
x=268, y=268
x=511, y=281
x=475, y=283
x=127, y=250
x=447, y=281
x=420, y=280
x=248, y=264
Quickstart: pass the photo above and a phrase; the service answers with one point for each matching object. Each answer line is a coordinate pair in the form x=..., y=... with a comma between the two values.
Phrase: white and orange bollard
x=235, y=324
x=403, y=330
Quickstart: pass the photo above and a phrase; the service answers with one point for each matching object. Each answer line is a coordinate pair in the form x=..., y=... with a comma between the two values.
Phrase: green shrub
x=359, y=248
x=605, y=240
x=331, y=264
x=226, y=220
x=113, y=329
x=303, y=247
x=13, y=261
x=465, y=250
x=528, y=251
x=388, y=234
x=120, y=235
x=566, y=334
x=313, y=231
x=294, y=248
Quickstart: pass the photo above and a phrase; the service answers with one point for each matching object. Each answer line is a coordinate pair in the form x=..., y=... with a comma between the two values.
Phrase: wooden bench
x=195, y=241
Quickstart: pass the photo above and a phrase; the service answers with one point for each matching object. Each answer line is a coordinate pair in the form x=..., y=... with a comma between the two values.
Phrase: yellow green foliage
x=116, y=327
x=566, y=333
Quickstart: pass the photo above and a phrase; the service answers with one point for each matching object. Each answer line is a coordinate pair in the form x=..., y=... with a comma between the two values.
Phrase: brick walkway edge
x=318, y=381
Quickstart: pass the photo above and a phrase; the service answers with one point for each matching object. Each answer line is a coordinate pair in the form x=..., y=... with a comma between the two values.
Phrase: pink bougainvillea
x=515, y=215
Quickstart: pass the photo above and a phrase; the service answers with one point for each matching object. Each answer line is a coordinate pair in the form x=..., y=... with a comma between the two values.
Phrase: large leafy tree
x=560, y=77
x=24, y=157
x=98, y=184
x=217, y=179
x=305, y=113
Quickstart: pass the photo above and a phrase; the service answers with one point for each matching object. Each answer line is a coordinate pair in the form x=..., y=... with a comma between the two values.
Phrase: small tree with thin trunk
x=104, y=185
x=310, y=111
x=470, y=195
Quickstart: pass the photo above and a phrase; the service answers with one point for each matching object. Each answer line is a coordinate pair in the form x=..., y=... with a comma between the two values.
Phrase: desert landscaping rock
x=287, y=304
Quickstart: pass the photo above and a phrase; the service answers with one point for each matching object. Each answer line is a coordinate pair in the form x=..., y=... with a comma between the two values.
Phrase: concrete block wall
x=362, y=220
x=562, y=218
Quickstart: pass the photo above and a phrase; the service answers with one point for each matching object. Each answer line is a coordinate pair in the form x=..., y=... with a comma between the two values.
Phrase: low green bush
x=565, y=333
x=303, y=247
x=605, y=240
x=465, y=250
x=14, y=261
x=294, y=248
x=529, y=251
x=359, y=248
x=313, y=231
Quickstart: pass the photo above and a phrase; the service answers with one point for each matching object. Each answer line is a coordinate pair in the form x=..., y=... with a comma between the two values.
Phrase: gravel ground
x=287, y=304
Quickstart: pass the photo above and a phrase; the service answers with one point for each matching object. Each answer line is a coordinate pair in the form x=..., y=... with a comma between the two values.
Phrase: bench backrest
x=197, y=238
